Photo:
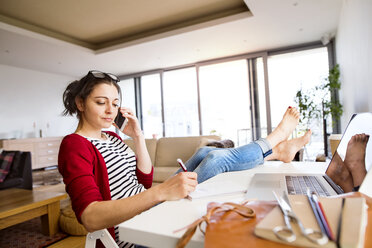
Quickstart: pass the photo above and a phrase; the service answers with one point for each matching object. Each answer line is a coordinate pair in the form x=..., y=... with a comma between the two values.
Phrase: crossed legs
x=208, y=161
x=284, y=149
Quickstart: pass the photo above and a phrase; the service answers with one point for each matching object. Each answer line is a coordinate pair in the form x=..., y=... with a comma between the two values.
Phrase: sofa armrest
x=27, y=170
x=20, y=175
x=11, y=183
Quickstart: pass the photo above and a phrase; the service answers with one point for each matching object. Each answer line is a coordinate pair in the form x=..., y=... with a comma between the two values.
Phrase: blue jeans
x=209, y=161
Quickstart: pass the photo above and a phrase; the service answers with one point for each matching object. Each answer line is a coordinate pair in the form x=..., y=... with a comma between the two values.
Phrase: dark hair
x=82, y=89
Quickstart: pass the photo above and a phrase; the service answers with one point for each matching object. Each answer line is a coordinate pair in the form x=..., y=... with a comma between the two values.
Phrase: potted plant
x=320, y=103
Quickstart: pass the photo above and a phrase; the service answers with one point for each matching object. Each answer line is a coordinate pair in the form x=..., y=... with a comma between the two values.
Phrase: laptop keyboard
x=297, y=185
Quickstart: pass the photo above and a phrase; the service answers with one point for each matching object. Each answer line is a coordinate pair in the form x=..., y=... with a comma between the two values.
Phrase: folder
x=354, y=221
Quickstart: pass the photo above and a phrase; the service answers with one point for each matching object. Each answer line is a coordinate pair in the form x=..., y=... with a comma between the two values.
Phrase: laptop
x=263, y=184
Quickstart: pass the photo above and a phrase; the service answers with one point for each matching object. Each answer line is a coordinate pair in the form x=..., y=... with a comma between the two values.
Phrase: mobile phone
x=121, y=121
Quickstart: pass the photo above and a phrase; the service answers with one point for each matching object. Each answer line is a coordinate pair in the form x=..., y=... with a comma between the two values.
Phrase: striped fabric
x=121, y=168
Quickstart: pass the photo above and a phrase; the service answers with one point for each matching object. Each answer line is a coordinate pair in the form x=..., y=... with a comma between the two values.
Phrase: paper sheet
x=216, y=188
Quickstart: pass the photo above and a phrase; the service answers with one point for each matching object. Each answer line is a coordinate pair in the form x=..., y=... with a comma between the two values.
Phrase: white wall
x=28, y=97
x=354, y=54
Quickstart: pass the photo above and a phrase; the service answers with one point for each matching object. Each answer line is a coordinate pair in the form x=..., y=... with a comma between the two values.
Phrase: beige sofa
x=165, y=151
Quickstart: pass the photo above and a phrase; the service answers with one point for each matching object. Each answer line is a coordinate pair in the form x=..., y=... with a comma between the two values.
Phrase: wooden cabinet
x=44, y=151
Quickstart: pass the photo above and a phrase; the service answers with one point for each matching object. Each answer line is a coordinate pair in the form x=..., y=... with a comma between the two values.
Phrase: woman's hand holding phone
x=133, y=130
x=128, y=123
x=120, y=121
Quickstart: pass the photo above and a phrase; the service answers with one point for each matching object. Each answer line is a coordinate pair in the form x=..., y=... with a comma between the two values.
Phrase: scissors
x=286, y=232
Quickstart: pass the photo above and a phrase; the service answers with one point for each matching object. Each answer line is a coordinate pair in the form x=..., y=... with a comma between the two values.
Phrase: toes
x=292, y=111
x=295, y=112
x=353, y=138
x=288, y=111
x=360, y=138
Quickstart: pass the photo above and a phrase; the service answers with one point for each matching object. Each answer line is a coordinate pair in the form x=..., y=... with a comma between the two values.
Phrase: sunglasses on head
x=99, y=74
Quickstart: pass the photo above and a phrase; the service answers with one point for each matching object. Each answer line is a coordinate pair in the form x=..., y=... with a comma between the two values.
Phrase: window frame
x=250, y=57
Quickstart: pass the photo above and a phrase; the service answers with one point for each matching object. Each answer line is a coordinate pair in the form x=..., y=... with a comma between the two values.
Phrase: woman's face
x=100, y=107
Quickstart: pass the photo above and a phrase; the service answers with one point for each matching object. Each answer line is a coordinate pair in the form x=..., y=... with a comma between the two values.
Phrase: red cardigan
x=85, y=174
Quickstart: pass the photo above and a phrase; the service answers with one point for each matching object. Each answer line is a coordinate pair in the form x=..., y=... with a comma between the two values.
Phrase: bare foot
x=355, y=157
x=286, y=150
x=339, y=174
x=285, y=127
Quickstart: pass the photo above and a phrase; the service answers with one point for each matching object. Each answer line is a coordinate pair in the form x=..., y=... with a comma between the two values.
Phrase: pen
x=340, y=224
x=323, y=218
x=182, y=164
x=316, y=214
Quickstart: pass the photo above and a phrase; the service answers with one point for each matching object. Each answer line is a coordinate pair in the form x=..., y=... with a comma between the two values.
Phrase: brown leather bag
x=228, y=224
x=232, y=230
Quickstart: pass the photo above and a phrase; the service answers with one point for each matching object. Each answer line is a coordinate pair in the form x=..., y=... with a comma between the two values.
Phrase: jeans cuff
x=265, y=147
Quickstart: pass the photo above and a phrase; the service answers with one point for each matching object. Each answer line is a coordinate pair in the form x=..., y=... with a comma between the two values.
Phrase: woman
x=101, y=173
x=104, y=179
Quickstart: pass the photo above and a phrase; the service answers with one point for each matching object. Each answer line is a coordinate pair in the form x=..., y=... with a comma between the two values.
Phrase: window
x=181, y=116
x=128, y=94
x=232, y=96
x=224, y=99
x=287, y=74
x=128, y=97
x=151, y=106
x=261, y=96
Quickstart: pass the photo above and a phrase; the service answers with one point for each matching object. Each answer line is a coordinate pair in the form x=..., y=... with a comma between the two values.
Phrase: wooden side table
x=19, y=205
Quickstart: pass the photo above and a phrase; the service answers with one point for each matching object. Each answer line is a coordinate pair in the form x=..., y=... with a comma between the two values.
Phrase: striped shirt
x=121, y=169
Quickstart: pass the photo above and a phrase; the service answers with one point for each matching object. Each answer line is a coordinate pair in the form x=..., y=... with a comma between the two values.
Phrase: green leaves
x=317, y=102
x=334, y=78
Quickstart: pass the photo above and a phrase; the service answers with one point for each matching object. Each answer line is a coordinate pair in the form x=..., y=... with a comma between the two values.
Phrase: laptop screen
x=353, y=157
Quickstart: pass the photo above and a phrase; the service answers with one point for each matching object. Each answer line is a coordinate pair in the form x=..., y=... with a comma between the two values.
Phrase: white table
x=155, y=227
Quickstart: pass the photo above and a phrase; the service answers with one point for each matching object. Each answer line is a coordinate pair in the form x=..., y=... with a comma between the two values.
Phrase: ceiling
x=98, y=24
x=71, y=37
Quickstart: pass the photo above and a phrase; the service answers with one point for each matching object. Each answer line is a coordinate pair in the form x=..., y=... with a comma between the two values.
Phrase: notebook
x=262, y=184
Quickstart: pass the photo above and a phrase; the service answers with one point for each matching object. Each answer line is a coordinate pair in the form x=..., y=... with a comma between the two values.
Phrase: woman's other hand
x=178, y=186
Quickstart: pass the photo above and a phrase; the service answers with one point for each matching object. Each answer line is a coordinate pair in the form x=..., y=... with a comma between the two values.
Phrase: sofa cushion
x=169, y=149
x=203, y=142
x=165, y=151
x=163, y=173
x=69, y=224
x=151, y=147
x=150, y=144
